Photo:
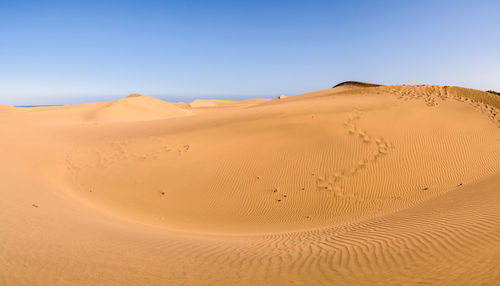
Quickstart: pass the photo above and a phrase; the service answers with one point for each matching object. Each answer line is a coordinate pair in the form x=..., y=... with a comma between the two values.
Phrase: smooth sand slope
x=359, y=184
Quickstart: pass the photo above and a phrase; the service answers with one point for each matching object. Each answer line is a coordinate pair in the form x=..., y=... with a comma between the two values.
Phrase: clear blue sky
x=61, y=52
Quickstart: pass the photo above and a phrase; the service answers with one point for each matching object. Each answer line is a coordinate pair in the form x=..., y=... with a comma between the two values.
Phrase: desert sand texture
x=359, y=184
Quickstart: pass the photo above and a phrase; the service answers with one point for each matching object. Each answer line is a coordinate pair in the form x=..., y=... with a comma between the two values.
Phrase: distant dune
x=137, y=107
x=360, y=184
x=216, y=102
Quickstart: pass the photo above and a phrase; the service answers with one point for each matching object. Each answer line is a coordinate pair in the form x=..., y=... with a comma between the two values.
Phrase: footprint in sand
x=382, y=148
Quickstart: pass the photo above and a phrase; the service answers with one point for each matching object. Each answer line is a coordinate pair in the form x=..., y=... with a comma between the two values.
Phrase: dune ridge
x=379, y=185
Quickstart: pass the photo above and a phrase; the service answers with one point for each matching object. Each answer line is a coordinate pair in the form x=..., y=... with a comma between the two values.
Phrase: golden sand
x=353, y=185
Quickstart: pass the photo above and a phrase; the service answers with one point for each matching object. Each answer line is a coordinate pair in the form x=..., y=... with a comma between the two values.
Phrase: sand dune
x=137, y=107
x=5, y=108
x=215, y=102
x=359, y=184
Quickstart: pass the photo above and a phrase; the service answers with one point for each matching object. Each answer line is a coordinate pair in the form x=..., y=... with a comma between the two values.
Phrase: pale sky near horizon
x=64, y=52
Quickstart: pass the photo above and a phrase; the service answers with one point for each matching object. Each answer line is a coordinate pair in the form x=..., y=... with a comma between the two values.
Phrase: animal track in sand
x=277, y=196
x=382, y=146
x=184, y=148
x=80, y=162
x=428, y=95
x=331, y=182
x=431, y=93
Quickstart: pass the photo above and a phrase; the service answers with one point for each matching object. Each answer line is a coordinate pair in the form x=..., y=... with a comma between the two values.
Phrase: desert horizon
x=356, y=184
x=249, y=143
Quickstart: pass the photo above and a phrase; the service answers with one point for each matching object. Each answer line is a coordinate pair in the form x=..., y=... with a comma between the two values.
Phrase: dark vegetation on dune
x=357, y=84
x=494, y=92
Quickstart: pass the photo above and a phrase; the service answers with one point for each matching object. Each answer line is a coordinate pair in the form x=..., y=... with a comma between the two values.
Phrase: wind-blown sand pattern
x=354, y=185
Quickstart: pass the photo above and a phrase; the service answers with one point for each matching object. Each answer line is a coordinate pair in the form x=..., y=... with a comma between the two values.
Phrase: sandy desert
x=358, y=184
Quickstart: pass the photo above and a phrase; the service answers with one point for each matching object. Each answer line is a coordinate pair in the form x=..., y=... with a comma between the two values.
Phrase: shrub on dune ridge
x=494, y=92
